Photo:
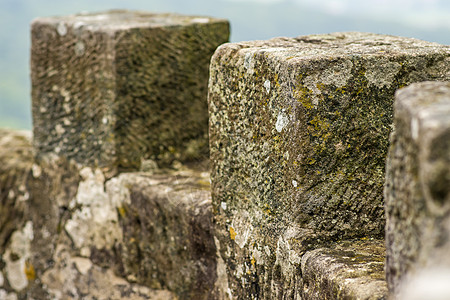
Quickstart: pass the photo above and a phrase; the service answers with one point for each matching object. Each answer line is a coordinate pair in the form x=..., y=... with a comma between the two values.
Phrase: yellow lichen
x=277, y=84
x=122, y=211
x=319, y=125
x=203, y=183
x=232, y=233
x=267, y=210
x=303, y=94
x=311, y=161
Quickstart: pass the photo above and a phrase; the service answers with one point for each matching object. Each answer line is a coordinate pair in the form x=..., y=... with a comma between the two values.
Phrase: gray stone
x=298, y=138
x=417, y=187
x=112, y=89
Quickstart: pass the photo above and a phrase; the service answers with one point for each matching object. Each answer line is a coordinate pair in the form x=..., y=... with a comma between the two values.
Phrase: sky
x=250, y=19
x=429, y=13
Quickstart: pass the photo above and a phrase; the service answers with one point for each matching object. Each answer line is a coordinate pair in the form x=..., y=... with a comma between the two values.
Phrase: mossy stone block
x=110, y=89
x=299, y=133
x=417, y=191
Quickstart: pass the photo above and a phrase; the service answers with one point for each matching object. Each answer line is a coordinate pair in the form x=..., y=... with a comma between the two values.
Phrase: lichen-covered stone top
x=340, y=44
x=115, y=20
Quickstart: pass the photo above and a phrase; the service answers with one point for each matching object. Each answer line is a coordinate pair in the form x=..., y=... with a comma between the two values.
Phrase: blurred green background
x=423, y=19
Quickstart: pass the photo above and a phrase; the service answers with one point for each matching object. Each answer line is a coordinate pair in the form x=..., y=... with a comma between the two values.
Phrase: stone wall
x=112, y=199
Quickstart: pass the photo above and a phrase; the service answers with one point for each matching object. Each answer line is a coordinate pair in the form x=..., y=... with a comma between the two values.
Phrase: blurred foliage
x=249, y=21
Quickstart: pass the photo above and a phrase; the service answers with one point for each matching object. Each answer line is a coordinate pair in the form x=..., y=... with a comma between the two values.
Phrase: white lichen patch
x=337, y=74
x=4, y=295
x=79, y=48
x=77, y=26
x=382, y=73
x=286, y=258
x=223, y=205
x=294, y=183
x=221, y=284
x=95, y=221
x=267, y=86
x=243, y=228
x=82, y=264
x=16, y=256
x=282, y=121
x=249, y=63
x=260, y=256
x=61, y=29
x=59, y=129
x=200, y=20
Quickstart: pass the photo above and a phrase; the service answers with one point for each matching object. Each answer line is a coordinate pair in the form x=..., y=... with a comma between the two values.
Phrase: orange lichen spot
x=29, y=271
x=253, y=261
x=232, y=233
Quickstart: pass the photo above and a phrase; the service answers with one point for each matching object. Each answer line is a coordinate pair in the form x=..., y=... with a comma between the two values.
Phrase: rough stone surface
x=298, y=138
x=417, y=187
x=349, y=270
x=74, y=277
x=113, y=88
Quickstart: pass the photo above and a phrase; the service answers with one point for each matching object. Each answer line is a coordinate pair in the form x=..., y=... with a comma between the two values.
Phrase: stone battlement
x=323, y=172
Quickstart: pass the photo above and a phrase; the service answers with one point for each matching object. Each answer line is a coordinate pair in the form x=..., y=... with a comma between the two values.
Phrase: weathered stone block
x=298, y=138
x=417, y=187
x=110, y=89
x=166, y=220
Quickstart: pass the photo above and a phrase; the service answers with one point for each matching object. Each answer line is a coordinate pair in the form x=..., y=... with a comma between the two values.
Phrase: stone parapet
x=111, y=89
x=299, y=133
x=417, y=190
